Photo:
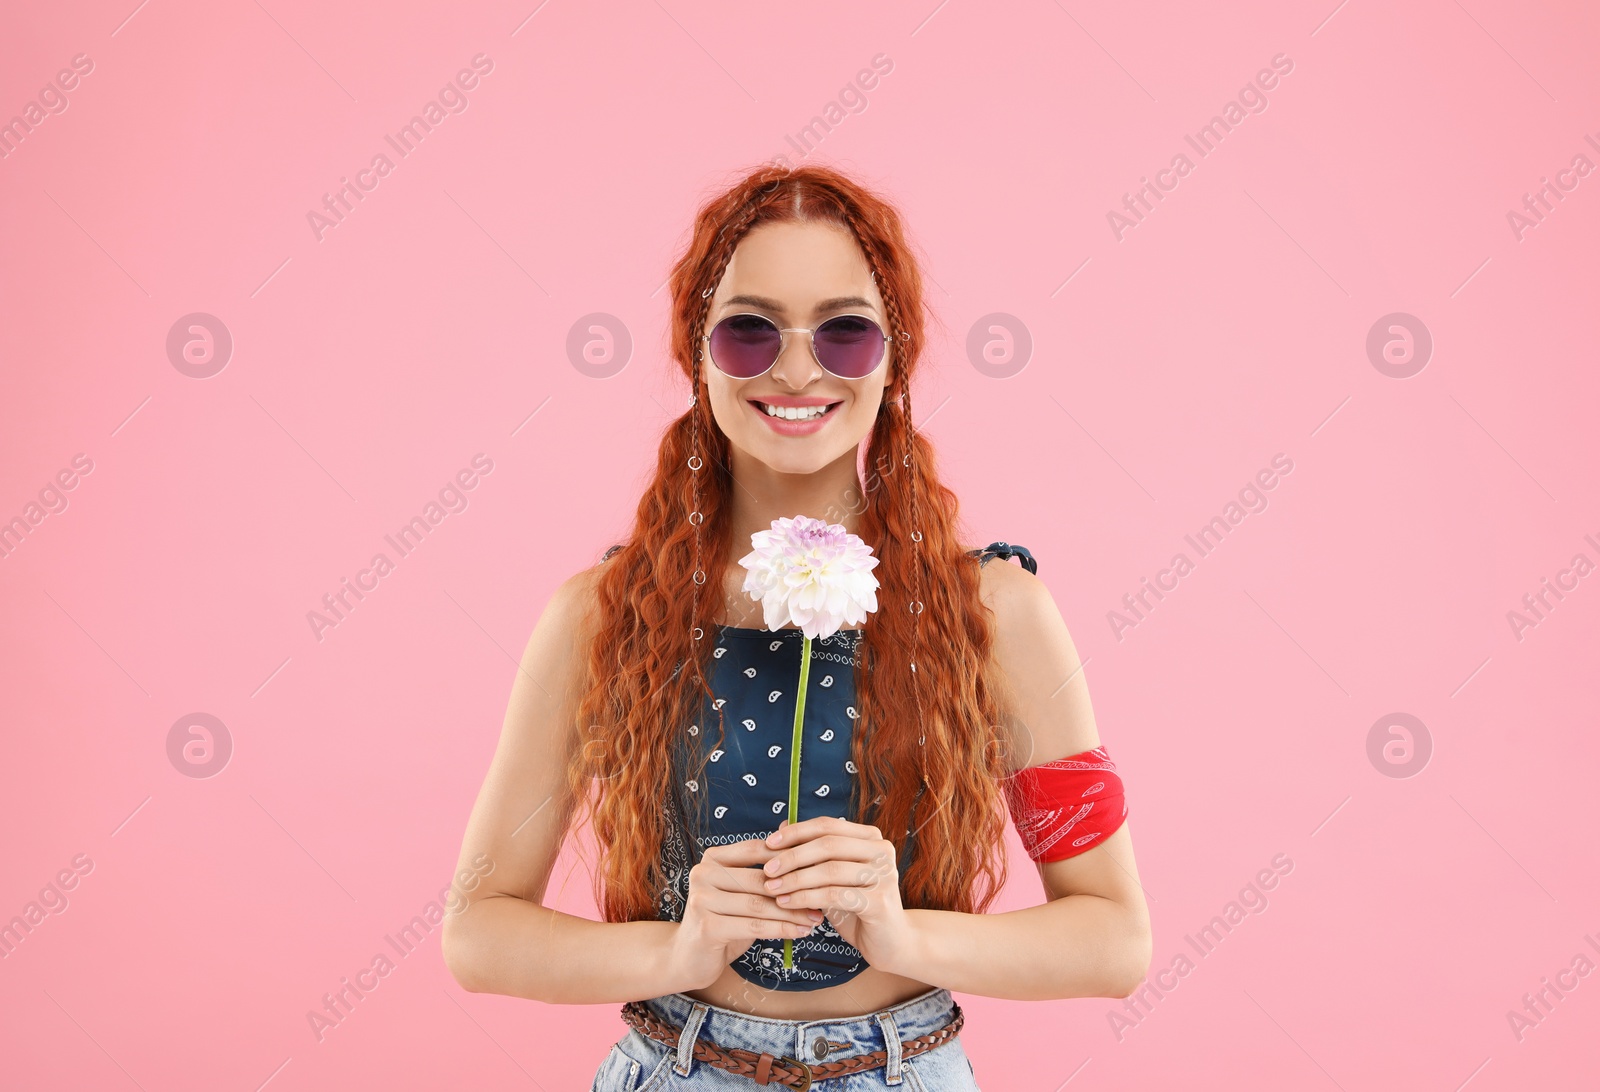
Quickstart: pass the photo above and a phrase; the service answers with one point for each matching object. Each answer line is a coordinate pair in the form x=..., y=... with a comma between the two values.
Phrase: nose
x=796, y=367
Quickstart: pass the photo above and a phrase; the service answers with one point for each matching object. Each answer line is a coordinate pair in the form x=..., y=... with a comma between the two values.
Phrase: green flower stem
x=794, y=762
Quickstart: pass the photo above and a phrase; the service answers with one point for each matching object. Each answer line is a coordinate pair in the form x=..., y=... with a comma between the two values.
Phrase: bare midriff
x=870, y=991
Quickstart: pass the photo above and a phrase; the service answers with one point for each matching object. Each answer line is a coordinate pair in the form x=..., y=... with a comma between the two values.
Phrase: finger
x=741, y=929
x=830, y=900
x=742, y=852
x=746, y=854
x=830, y=847
x=736, y=904
x=819, y=826
x=825, y=874
x=727, y=878
x=746, y=884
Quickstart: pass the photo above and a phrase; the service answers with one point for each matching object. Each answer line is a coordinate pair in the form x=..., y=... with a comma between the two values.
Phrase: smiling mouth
x=794, y=413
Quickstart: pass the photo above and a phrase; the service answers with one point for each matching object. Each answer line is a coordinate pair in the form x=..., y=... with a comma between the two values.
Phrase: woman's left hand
x=848, y=871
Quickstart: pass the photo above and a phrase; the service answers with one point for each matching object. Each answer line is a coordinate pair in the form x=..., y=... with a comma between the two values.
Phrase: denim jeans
x=637, y=1063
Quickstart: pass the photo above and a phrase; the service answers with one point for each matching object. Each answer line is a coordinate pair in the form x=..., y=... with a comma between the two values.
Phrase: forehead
x=798, y=266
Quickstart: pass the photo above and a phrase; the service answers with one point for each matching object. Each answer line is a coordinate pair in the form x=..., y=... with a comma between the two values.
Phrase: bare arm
x=499, y=938
x=1091, y=937
x=1077, y=944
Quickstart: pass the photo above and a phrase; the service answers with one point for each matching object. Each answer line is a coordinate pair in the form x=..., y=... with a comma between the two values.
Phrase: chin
x=793, y=462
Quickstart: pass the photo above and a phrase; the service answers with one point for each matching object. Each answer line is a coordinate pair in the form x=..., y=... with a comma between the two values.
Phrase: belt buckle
x=804, y=1068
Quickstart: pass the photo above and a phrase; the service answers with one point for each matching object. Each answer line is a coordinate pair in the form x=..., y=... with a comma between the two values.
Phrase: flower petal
x=811, y=574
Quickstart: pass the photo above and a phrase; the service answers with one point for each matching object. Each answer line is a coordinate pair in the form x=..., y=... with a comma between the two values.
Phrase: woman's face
x=796, y=274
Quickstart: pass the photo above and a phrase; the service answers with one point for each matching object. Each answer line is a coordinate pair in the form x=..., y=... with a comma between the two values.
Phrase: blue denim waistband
x=810, y=1040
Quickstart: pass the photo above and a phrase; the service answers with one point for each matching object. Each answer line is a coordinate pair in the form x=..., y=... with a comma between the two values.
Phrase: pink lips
x=792, y=428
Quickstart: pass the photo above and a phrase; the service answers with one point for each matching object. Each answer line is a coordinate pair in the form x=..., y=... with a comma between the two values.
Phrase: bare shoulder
x=573, y=601
x=554, y=660
x=1018, y=600
x=577, y=591
x=1044, y=695
x=1000, y=579
x=569, y=619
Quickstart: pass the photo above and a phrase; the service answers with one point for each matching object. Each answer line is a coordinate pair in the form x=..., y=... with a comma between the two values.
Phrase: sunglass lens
x=850, y=346
x=744, y=346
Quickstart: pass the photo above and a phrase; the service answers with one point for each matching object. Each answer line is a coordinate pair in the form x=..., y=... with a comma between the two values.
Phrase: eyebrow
x=773, y=305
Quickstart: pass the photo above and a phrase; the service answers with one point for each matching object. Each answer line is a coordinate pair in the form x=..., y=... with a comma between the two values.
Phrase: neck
x=762, y=494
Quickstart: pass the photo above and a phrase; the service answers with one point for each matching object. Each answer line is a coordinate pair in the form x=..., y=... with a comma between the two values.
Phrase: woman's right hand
x=728, y=910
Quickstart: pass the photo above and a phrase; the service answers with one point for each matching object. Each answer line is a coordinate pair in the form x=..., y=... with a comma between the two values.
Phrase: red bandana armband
x=1068, y=806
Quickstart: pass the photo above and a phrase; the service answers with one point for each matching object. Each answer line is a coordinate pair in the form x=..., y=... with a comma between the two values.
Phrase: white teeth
x=794, y=413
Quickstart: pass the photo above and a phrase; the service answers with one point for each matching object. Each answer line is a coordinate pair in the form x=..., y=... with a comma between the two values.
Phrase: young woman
x=651, y=696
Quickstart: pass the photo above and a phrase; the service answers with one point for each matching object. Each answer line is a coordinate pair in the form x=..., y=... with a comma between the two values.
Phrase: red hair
x=646, y=666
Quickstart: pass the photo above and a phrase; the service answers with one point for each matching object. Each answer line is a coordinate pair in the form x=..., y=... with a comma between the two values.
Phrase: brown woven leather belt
x=781, y=1069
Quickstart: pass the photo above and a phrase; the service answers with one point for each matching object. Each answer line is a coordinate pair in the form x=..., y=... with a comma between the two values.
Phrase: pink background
x=1166, y=370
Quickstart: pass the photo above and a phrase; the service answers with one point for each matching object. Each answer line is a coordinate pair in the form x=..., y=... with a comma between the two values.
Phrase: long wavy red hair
x=646, y=665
